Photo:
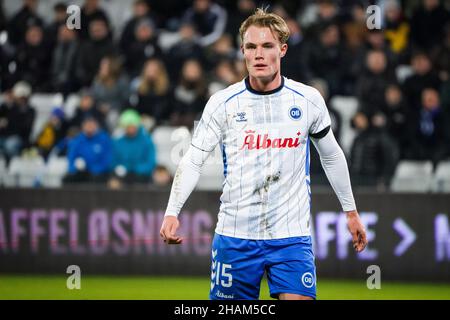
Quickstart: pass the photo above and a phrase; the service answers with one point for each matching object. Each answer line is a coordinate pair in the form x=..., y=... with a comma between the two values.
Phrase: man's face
x=131, y=131
x=262, y=52
x=90, y=127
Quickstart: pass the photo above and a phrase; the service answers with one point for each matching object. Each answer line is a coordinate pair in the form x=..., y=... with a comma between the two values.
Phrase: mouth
x=260, y=65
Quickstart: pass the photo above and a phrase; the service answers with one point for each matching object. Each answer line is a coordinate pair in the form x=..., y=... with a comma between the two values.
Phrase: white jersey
x=264, y=137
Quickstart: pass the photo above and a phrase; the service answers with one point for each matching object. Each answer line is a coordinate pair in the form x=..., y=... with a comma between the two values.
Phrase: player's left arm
x=335, y=165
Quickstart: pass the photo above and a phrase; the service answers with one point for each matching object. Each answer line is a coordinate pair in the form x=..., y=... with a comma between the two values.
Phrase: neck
x=263, y=85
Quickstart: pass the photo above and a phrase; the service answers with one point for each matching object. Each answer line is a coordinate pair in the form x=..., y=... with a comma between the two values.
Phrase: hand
x=357, y=230
x=168, y=230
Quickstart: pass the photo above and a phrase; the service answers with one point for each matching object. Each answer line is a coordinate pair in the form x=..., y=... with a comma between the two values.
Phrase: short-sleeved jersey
x=264, y=137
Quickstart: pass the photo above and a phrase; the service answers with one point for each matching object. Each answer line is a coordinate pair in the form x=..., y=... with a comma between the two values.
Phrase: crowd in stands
x=172, y=55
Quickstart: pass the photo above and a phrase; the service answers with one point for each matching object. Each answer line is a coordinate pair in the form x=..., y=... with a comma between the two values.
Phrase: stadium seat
x=3, y=169
x=71, y=105
x=25, y=172
x=346, y=107
x=441, y=178
x=56, y=169
x=412, y=176
x=171, y=144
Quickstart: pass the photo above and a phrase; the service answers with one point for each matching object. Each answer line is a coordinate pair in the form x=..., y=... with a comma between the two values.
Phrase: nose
x=258, y=53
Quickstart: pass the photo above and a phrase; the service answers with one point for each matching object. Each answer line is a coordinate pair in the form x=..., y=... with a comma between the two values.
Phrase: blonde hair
x=114, y=71
x=160, y=85
x=261, y=18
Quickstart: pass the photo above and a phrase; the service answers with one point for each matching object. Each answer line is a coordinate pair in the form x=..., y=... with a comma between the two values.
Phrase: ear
x=283, y=50
x=242, y=49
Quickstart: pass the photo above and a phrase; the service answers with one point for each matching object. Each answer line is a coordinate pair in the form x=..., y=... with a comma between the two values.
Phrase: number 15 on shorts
x=220, y=274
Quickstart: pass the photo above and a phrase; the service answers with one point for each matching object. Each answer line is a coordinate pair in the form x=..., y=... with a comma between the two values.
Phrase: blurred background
x=93, y=123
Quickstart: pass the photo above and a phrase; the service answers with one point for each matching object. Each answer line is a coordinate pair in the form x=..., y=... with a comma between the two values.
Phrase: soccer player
x=264, y=125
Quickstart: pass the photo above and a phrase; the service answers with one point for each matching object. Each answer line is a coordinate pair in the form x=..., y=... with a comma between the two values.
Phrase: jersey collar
x=249, y=88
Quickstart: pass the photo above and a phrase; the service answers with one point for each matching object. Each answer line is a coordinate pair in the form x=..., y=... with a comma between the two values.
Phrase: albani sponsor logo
x=258, y=141
x=224, y=296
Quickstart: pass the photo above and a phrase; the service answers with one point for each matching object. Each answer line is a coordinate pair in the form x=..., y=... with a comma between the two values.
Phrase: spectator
x=186, y=48
x=294, y=64
x=134, y=154
x=224, y=75
x=151, y=93
x=90, y=154
x=90, y=12
x=209, y=20
x=52, y=30
x=93, y=50
x=323, y=57
x=327, y=12
x=33, y=59
x=161, y=177
x=16, y=121
x=429, y=135
x=144, y=47
x=423, y=77
x=64, y=62
x=169, y=12
x=22, y=20
x=86, y=108
x=427, y=25
x=110, y=89
x=141, y=10
x=441, y=57
x=189, y=96
x=373, y=156
x=244, y=8
x=220, y=50
x=371, y=85
x=396, y=113
x=397, y=27
x=53, y=133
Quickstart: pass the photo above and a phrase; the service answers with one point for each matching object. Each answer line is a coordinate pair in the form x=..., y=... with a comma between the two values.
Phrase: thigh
x=237, y=267
x=290, y=267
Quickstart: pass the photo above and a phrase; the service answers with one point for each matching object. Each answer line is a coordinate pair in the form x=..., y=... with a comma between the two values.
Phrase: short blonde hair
x=261, y=18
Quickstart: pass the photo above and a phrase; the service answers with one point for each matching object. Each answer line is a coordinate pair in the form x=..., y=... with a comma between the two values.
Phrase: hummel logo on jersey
x=241, y=117
x=253, y=141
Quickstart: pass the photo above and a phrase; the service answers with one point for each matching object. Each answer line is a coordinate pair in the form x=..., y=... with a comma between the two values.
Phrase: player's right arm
x=206, y=136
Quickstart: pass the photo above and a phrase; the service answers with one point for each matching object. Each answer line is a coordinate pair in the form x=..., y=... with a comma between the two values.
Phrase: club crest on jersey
x=240, y=117
x=258, y=141
x=295, y=113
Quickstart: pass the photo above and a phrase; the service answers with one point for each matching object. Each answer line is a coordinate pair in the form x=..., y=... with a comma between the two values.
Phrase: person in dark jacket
x=16, y=121
x=374, y=156
x=22, y=20
x=93, y=50
x=33, y=59
x=429, y=131
x=64, y=62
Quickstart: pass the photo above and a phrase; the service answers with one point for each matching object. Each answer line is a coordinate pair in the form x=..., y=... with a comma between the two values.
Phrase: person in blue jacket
x=89, y=154
x=134, y=152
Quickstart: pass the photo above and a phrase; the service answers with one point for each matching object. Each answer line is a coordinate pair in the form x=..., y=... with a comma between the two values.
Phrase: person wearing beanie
x=134, y=154
x=53, y=132
x=16, y=121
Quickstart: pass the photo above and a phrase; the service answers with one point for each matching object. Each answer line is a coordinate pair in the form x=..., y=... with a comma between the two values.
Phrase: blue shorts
x=238, y=265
